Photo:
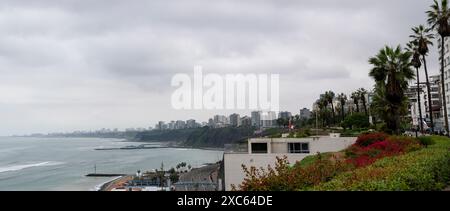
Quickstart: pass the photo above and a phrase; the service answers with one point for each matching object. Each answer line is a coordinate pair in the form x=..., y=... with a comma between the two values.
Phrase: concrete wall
x=233, y=162
x=278, y=147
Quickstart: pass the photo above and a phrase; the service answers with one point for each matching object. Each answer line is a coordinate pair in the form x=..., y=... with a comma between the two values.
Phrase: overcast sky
x=81, y=65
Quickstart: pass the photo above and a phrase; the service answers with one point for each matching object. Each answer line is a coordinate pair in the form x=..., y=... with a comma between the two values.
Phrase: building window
x=298, y=147
x=259, y=148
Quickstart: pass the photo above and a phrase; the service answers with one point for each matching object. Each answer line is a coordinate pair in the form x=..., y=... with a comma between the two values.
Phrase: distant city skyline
x=83, y=65
x=198, y=123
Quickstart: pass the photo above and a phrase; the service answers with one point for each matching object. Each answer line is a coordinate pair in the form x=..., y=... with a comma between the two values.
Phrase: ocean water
x=61, y=163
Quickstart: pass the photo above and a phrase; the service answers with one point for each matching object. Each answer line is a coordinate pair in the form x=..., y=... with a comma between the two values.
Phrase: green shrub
x=276, y=135
x=307, y=132
x=426, y=140
x=291, y=135
x=308, y=160
x=356, y=120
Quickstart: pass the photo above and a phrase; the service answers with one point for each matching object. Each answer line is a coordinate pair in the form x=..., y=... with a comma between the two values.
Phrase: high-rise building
x=211, y=123
x=246, y=121
x=161, y=125
x=180, y=124
x=284, y=115
x=235, y=120
x=413, y=109
x=435, y=91
x=220, y=120
x=268, y=119
x=446, y=74
x=191, y=123
x=256, y=119
x=305, y=113
x=171, y=125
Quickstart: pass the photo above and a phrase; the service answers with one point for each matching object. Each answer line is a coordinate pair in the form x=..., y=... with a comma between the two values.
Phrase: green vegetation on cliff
x=198, y=137
x=165, y=135
x=218, y=137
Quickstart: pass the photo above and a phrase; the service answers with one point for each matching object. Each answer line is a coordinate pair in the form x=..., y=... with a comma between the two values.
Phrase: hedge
x=426, y=169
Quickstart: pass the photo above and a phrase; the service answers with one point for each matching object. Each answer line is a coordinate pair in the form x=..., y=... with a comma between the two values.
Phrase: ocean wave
x=183, y=149
x=25, y=166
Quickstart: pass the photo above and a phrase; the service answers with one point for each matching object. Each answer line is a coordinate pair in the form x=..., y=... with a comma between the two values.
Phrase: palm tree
x=438, y=18
x=355, y=98
x=362, y=96
x=412, y=47
x=422, y=39
x=342, y=100
x=329, y=97
x=321, y=104
x=391, y=72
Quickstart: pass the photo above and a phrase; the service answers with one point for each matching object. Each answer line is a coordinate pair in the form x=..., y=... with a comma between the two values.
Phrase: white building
x=220, y=119
x=180, y=124
x=446, y=73
x=262, y=152
x=269, y=119
x=435, y=91
x=413, y=109
x=161, y=125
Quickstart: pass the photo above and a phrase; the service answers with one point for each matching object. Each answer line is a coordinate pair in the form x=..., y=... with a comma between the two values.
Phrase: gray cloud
x=108, y=63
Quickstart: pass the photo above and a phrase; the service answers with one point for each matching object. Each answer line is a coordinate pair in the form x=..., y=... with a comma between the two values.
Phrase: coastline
x=102, y=186
x=169, y=144
x=111, y=184
x=176, y=145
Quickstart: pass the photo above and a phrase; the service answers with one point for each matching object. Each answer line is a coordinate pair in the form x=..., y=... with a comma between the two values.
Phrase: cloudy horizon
x=85, y=65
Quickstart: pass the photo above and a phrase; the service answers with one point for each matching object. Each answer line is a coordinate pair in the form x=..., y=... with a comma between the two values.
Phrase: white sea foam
x=182, y=149
x=99, y=186
x=24, y=166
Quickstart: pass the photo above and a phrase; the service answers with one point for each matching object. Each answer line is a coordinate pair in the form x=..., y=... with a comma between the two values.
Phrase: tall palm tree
x=412, y=47
x=322, y=104
x=391, y=72
x=342, y=100
x=362, y=96
x=355, y=98
x=438, y=18
x=422, y=39
x=329, y=97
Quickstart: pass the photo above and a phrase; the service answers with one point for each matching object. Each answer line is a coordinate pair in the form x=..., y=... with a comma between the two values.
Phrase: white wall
x=233, y=162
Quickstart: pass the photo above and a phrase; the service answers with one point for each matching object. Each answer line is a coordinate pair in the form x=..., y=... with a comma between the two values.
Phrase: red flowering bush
x=285, y=178
x=370, y=138
x=367, y=150
x=360, y=155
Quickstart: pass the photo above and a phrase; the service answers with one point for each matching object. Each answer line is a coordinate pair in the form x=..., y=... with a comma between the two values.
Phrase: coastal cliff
x=198, y=137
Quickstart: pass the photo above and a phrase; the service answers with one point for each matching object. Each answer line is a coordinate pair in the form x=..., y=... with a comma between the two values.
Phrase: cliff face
x=199, y=137
x=218, y=137
x=165, y=135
